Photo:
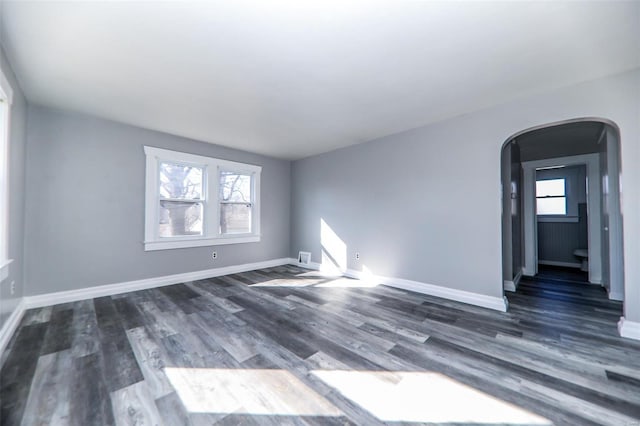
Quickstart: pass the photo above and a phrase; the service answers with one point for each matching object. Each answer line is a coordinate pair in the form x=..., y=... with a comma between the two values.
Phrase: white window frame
x=6, y=100
x=564, y=196
x=211, y=203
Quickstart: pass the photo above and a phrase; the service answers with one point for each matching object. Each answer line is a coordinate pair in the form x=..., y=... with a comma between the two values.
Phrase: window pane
x=235, y=187
x=180, y=181
x=550, y=187
x=235, y=218
x=557, y=205
x=179, y=219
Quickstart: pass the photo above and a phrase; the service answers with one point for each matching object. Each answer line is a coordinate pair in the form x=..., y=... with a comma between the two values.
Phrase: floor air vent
x=304, y=257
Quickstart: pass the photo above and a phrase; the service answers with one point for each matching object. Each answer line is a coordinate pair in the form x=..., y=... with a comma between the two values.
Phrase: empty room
x=319, y=212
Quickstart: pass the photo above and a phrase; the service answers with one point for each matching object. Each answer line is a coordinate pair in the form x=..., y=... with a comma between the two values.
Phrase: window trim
x=211, y=216
x=6, y=96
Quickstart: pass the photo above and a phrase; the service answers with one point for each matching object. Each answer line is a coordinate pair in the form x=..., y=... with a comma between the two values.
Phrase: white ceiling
x=296, y=78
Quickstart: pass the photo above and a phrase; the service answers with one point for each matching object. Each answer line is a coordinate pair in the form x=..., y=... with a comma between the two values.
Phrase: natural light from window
x=413, y=396
x=247, y=391
x=235, y=203
x=334, y=249
x=390, y=396
x=550, y=197
x=181, y=200
x=320, y=279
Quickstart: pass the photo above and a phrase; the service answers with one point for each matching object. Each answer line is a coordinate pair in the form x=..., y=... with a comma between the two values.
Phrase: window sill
x=199, y=242
x=559, y=219
x=4, y=269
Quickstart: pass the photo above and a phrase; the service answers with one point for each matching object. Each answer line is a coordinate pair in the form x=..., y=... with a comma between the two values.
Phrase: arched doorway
x=581, y=216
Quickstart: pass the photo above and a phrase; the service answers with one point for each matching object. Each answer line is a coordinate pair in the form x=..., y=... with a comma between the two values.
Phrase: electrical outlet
x=357, y=256
x=13, y=287
x=214, y=255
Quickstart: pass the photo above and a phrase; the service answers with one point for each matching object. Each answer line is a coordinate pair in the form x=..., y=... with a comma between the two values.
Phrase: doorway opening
x=562, y=224
x=562, y=221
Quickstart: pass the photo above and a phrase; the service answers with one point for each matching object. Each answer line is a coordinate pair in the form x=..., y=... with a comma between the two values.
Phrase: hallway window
x=551, y=197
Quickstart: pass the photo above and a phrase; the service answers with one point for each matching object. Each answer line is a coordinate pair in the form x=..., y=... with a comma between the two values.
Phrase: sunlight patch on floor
x=324, y=279
x=365, y=279
x=287, y=283
x=424, y=397
x=247, y=391
x=347, y=283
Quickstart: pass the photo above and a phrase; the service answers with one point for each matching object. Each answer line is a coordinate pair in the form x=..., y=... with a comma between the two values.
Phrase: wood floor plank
x=17, y=372
x=156, y=321
x=283, y=335
x=550, y=382
x=37, y=315
x=172, y=410
x=105, y=361
x=219, y=302
x=58, y=336
x=119, y=360
x=50, y=393
x=90, y=402
x=151, y=359
x=228, y=335
x=129, y=312
x=134, y=405
x=85, y=338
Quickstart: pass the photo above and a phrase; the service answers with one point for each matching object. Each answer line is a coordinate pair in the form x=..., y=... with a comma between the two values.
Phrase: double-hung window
x=551, y=197
x=6, y=95
x=192, y=200
x=181, y=200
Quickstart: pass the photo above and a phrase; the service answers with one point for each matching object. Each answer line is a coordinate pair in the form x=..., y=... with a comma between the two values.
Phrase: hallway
x=558, y=290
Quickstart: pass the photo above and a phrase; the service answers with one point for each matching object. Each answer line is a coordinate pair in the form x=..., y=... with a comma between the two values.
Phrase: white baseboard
x=629, y=329
x=497, y=303
x=513, y=285
x=565, y=264
x=509, y=286
x=516, y=280
x=314, y=266
x=48, y=299
x=614, y=295
x=10, y=325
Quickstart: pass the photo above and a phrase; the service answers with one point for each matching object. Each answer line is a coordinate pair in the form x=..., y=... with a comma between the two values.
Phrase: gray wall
x=85, y=205
x=415, y=205
x=17, y=144
x=556, y=239
x=425, y=204
x=422, y=205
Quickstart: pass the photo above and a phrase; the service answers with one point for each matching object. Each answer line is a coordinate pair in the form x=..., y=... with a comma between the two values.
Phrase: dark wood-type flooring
x=288, y=346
